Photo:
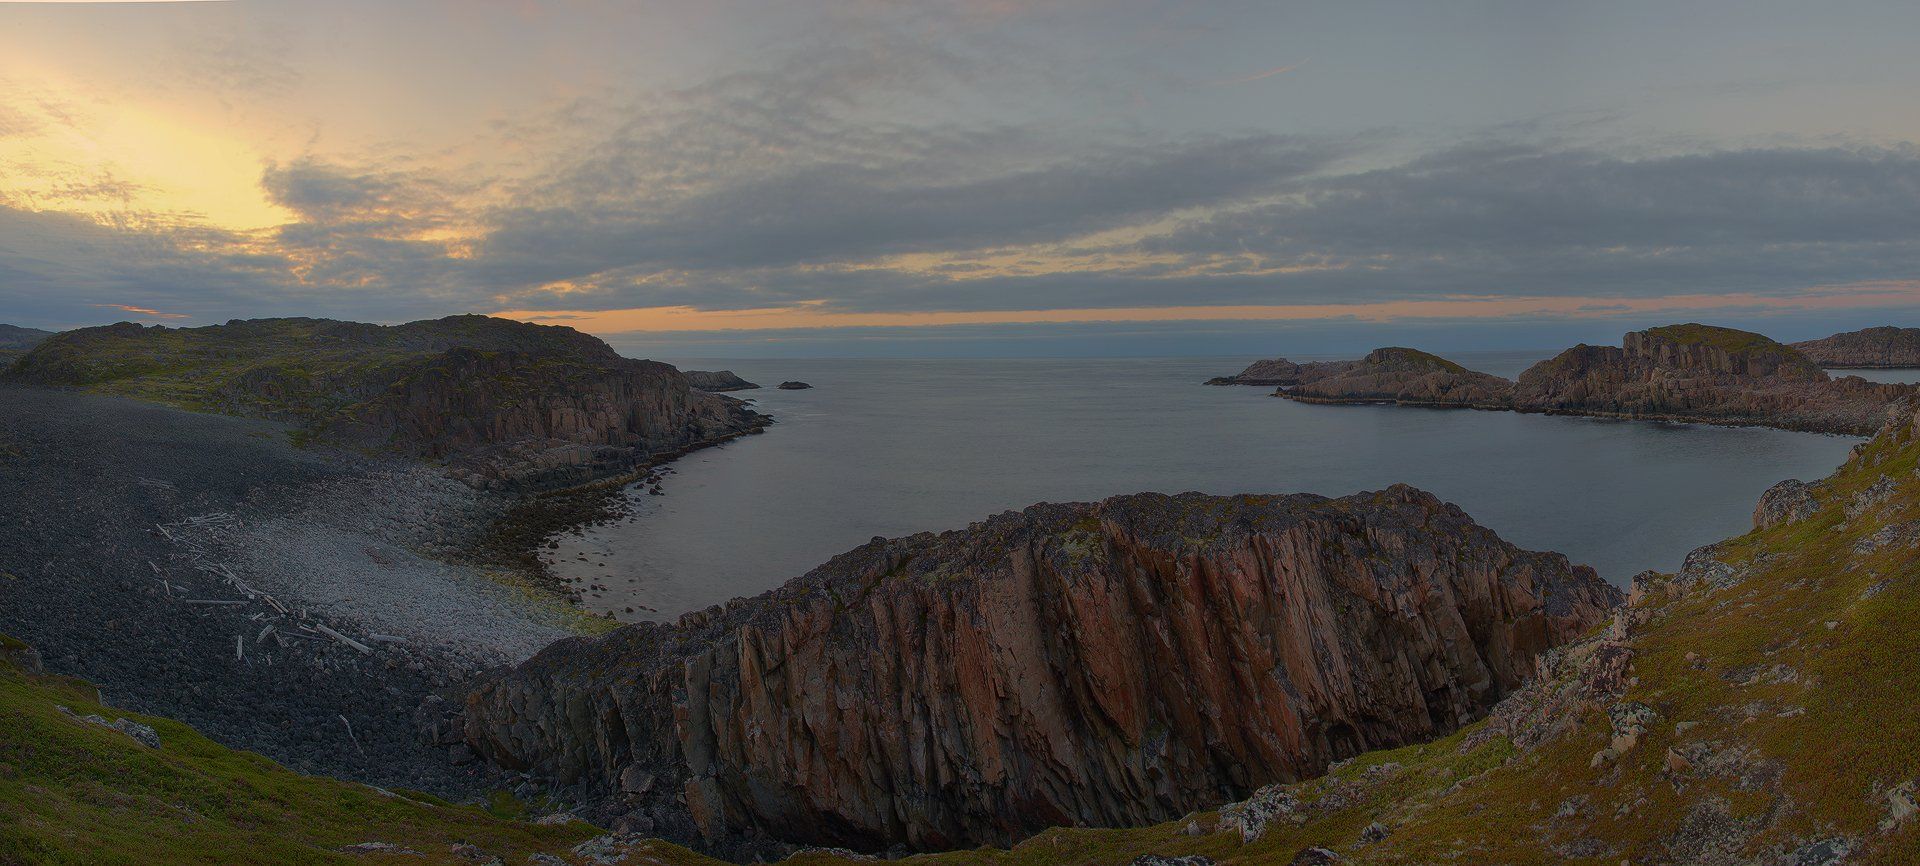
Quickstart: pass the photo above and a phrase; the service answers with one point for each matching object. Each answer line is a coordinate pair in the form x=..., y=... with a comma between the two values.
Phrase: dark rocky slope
x=506, y=402
x=1869, y=348
x=14, y=337
x=1114, y=663
x=15, y=341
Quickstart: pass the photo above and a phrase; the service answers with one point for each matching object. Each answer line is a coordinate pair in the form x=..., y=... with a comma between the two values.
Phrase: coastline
x=299, y=601
x=1712, y=421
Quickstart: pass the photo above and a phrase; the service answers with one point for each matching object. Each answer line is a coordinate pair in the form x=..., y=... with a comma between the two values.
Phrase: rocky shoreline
x=301, y=602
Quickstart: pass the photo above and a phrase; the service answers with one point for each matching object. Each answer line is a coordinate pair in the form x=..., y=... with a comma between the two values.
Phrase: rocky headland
x=717, y=380
x=1403, y=376
x=503, y=403
x=1105, y=664
x=1685, y=373
x=1869, y=348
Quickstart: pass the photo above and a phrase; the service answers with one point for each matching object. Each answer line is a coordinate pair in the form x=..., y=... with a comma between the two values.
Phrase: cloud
x=1259, y=76
x=142, y=311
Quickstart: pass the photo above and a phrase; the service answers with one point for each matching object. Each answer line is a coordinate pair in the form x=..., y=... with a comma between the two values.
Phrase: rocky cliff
x=1869, y=348
x=504, y=402
x=1701, y=373
x=1114, y=663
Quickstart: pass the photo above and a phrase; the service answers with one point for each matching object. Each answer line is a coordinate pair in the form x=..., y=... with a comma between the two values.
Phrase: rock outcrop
x=1785, y=502
x=794, y=386
x=1701, y=373
x=1884, y=347
x=1112, y=663
x=506, y=403
x=1400, y=375
x=717, y=380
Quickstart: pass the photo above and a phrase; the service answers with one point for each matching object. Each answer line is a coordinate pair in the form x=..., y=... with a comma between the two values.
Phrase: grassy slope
x=81, y=794
x=1798, y=729
x=1729, y=340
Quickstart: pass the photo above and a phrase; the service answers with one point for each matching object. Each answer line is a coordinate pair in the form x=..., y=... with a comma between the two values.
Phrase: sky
x=965, y=177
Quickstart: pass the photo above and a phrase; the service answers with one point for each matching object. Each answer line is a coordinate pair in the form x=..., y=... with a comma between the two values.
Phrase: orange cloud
x=815, y=315
x=142, y=311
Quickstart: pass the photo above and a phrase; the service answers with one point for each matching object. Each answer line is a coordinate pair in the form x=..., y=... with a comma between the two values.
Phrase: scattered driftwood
x=350, y=736
x=218, y=601
x=322, y=628
x=239, y=648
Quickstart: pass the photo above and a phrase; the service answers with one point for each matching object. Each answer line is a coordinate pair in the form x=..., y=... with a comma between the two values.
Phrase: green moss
x=1729, y=340
x=76, y=793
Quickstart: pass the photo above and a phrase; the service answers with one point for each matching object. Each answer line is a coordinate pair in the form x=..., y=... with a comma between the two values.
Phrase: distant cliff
x=14, y=337
x=505, y=402
x=1685, y=372
x=1869, y=348
x=1113, y=663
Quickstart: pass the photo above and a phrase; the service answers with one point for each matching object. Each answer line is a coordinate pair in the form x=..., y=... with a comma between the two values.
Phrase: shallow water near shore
x=893, y=447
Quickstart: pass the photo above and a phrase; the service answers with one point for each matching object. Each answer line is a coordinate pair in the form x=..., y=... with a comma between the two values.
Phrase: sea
x=884, y=447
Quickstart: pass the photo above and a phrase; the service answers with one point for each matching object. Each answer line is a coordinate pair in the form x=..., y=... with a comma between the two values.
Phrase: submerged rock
x=1112, y=663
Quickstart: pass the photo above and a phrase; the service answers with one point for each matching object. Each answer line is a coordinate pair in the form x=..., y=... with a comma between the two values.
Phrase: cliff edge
x=1107, y=664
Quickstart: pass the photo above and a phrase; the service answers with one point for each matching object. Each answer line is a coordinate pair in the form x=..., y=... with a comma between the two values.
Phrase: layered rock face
x=1114, y=663
x=1884, y=347
x=505, y=402
x=1401, y=375
x=1702, y=373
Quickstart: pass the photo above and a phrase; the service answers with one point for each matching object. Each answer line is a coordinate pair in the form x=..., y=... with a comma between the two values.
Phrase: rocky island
x=717, y=381
x=1870, y=348
x=1687, y=373
x=1104, y=664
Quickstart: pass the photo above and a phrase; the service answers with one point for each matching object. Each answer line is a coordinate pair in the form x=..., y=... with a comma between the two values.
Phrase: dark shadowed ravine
x=893, y=447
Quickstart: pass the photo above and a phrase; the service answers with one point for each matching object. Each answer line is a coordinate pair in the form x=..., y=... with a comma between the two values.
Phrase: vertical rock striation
x=1111, y=663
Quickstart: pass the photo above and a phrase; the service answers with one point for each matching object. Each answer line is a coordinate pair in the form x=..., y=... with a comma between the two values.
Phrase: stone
x=794, y=386
x=1901, y=806
x=1314, y=857
x=1162, y=860
x=1374, y=832
x=1786, y=502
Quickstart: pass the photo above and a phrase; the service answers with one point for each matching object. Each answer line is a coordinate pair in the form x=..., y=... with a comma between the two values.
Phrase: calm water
x=896, y=447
